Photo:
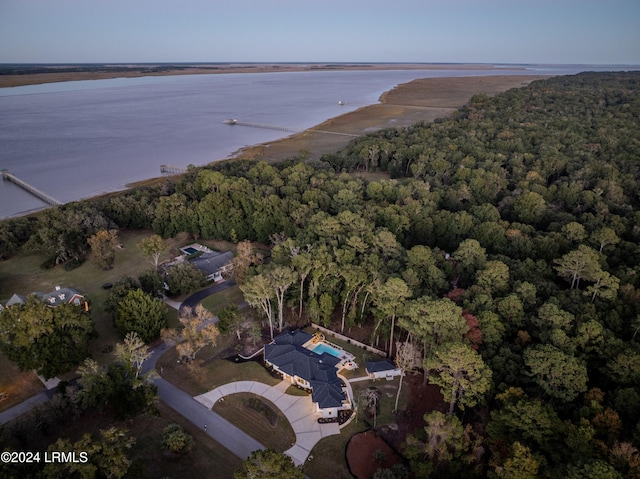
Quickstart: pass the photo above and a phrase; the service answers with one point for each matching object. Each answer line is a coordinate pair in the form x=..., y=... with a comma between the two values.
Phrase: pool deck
x=346, y=358
x=196, y=247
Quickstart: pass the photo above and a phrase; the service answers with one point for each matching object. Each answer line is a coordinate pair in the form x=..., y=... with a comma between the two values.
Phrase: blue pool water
x=190, y=250
x=325, y=348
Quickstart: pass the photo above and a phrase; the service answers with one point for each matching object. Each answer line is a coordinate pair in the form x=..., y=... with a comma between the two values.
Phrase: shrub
x=176, y=440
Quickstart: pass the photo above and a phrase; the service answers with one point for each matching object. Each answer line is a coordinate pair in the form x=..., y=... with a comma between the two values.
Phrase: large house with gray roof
x=214, y=264
x=314, y=372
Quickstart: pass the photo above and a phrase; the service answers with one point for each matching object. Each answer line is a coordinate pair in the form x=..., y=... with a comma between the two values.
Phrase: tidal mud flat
x=419, y=100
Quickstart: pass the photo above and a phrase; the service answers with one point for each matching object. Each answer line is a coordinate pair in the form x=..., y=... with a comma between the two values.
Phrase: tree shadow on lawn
x=200, y=378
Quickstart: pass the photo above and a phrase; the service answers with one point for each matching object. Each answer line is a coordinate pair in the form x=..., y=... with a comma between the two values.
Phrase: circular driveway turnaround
x=299, y=411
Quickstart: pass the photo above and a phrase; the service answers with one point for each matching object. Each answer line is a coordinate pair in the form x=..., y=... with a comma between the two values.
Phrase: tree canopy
x=141, y=313
x=49, y=340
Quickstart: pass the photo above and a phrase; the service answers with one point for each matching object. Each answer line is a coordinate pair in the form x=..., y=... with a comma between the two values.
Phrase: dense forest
x=500, y=243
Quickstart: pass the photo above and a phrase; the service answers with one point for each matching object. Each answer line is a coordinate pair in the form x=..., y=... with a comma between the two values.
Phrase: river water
x=79, y=139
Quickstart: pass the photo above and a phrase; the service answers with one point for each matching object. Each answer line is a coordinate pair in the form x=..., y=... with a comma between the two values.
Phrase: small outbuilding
x=382, y=369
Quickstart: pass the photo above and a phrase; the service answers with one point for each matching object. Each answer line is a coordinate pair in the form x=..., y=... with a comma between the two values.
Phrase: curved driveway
x=299, y=410
x=234, y=439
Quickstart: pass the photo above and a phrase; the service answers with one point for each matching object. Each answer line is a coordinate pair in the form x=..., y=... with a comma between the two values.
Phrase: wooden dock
x=8, y=176
x=172, y=170
x=260, y=125
x=233, y=121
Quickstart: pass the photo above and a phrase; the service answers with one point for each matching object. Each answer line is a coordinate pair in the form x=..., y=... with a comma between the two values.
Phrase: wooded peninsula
x=495, y=251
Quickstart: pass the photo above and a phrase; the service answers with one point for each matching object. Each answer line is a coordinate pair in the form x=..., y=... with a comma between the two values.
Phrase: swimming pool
x=325, y=348
x=189, y=250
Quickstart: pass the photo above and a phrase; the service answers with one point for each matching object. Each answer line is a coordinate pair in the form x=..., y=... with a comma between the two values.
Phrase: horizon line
x=359, y=63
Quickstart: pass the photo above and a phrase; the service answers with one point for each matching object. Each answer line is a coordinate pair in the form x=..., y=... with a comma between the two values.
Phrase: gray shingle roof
x=286, y=352
x=379, y=366
x=210, y=263
x=54, y=298
x=60, y=296
x=17, y=299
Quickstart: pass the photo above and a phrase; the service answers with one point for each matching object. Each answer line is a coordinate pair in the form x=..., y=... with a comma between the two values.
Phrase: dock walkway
x=8, y=176
x=233, y=121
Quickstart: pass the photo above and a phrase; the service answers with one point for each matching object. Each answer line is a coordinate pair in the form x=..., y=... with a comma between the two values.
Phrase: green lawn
x=296, y=391
x=206, y=456
x=22, y=274
x=16, y=385
x=388, y=391
x=216, y=302
x=211, y=374
x=279, y=437
x=328, y=458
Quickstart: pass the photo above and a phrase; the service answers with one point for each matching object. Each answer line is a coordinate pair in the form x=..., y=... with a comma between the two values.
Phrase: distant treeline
x=30, y=69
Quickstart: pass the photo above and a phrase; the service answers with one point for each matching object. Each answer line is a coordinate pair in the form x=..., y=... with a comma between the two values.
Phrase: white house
x=311, y=371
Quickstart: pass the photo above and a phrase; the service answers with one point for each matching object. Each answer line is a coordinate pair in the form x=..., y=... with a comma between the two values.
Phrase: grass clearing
x=234, y=409
x=16, y=385
x=216, y=302
x=22, y=274
x=329, y=455
x=387, y=391
x=206, y=456
x=211, y=374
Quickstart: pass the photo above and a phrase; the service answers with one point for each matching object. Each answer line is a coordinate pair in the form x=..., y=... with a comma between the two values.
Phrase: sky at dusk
x=483, y=31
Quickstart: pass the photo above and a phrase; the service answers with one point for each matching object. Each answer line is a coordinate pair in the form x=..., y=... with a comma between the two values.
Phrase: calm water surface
x=79, y=139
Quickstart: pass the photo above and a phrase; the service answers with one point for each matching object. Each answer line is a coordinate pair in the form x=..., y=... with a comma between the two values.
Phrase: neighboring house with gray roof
x=214, y=264
x=314, y=372
x=16, y=299
x=53, y=299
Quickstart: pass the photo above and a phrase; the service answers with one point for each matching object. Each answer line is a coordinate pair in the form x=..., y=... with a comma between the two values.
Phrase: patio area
x=319, y=344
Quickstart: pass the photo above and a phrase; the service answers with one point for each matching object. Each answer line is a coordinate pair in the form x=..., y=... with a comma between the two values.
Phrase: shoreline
x=422, y=99
x=52, y=73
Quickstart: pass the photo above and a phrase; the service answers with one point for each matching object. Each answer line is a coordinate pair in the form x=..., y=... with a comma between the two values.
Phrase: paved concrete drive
x=299, y=410
x=237, y=441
